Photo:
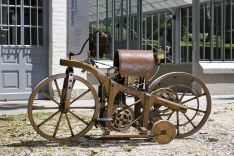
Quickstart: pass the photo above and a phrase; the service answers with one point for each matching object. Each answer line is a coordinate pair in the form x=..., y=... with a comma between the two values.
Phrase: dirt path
x=216, y=138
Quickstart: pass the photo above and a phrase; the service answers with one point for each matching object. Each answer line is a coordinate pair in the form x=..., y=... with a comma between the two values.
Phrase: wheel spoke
x=178, y=123
x=197, y=110
x=82, y=107
x=57, y=87
x=46, y=120
x=49, y=97
x=170, y=115
x=69, y=125
x=79, y=118
x=189, y=120
x=182, y=96
x=193, y=98
x=57, y=126
x=80, y=96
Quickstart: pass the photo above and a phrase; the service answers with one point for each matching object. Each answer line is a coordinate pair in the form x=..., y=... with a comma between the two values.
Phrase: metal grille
x=21, y=22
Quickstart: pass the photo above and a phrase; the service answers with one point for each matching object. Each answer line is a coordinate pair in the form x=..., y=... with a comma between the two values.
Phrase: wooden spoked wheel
x=187, y=90
x=54, y=123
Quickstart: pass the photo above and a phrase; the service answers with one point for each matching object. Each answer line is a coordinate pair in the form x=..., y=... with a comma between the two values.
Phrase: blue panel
x=29, y=79
x=10, y=79
x=10, y=56
x=36, y=59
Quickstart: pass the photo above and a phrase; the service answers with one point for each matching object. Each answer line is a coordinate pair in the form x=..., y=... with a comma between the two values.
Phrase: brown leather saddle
x=134, y=62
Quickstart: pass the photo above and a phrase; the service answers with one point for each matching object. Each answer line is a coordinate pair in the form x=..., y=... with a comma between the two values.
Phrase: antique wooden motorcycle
x=131, y=101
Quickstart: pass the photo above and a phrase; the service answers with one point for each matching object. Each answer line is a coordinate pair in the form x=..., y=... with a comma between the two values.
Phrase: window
x=21, y=22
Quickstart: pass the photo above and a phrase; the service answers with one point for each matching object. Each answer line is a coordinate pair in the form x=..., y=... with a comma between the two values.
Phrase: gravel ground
x=17, y=137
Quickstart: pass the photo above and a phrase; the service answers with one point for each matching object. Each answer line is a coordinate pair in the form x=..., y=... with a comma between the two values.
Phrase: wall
x=57, y=34
x=218, y=84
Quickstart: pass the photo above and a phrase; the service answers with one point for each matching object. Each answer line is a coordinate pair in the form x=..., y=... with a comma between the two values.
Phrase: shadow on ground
x=88, y=143
x=223, y=98
x=13, y=106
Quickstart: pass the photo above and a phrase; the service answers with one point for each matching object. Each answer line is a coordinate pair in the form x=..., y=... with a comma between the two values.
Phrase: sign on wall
x=78, y=27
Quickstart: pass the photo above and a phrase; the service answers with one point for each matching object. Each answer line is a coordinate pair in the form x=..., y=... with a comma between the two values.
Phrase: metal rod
x=159, y=30
x=145, y=35
x=113, y=29
x=128, y=23
x=97, y=37
x=231, y=25
x=165, y=36
x=1, y=17
x=16, y=23
x=204, y=32
x=8, y=22
x=37, y=25
x=195, y=32
x=22, y=22
x=121, y=21
x=222, y=31
x=212, y=30
x=30, y=22
x=152, y=30
x=187, y=37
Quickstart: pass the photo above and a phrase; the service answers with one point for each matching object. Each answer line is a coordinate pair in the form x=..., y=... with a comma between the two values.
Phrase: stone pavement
x=17, y=107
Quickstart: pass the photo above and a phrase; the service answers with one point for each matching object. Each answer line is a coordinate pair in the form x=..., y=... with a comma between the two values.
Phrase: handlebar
x=92, y=34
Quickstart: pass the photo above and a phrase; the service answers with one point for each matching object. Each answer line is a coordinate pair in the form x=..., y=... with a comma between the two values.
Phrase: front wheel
x=55, y=124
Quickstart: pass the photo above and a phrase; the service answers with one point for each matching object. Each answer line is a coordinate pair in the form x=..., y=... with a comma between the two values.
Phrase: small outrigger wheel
x=55, y=123
x=163, y=132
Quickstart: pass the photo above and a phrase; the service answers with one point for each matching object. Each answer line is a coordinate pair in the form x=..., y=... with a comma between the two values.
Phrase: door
x=23, y=47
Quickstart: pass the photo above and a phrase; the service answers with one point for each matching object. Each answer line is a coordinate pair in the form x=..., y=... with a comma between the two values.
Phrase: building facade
x=154, y=24
x=35, y=34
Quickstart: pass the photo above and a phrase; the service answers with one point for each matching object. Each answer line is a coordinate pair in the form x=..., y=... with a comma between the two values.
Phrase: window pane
x=27, y=36
x=26, y=16
x=34, y=16
x=41, y=37
x=5, y=15
x=5, y=1
x=18, y=2
x=155, y=31
x=184, y=34
x=3, y=37
x=217, y=31
x=33, y=2
x=18, y=36
x=40, y=3
x=18, y=16
x=27, y=2
x=228, y=32
x=34, y=36
x=40, y=17
x=12, y=16
x=12, y=35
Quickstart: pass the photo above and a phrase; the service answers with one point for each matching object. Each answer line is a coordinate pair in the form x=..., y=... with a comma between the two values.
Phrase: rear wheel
x=187, y=90
x=56, y=124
